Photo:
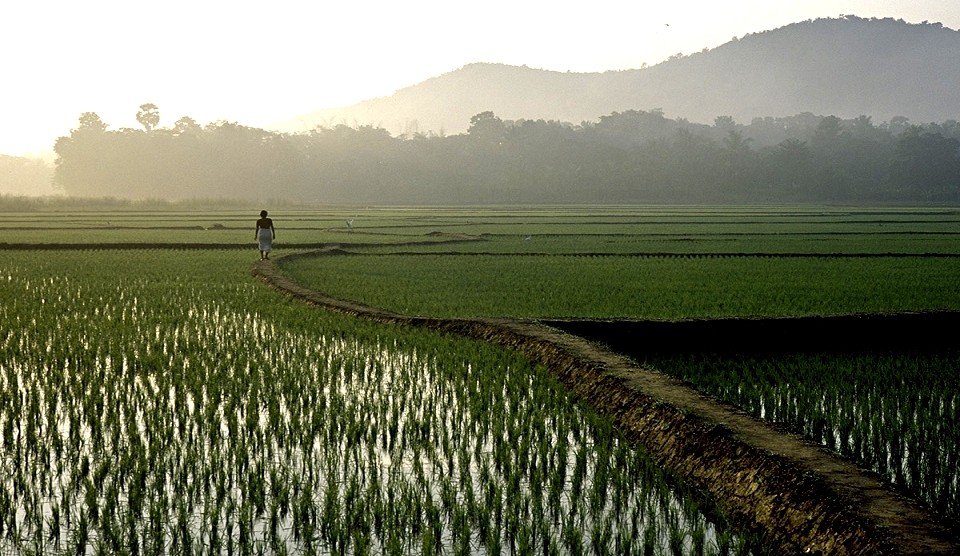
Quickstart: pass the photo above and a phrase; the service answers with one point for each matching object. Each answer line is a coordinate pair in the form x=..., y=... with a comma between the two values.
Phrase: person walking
x=265, y=235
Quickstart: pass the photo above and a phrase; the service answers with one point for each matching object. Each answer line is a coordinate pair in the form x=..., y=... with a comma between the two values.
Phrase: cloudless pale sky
x=260, y=62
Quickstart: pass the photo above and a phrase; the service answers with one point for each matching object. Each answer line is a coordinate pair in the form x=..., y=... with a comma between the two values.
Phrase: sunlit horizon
x=257, y=66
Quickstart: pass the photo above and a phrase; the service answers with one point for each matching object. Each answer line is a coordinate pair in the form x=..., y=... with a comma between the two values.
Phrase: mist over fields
x=832, y=110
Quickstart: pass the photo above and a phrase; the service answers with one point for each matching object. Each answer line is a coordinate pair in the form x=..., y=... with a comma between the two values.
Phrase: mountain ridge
x=848, y=66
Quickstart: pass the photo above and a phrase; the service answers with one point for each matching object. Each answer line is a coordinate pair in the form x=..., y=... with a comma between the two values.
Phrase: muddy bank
x=803, y=499
x=187, y=246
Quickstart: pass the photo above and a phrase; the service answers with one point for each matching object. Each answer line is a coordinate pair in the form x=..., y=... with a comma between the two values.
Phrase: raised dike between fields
x=801, y=498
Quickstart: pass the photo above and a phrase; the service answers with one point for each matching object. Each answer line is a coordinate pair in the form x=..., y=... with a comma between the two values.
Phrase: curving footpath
x=802, y=498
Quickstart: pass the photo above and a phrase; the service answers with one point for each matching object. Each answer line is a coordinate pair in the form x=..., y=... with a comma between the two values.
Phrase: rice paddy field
x=155, y=399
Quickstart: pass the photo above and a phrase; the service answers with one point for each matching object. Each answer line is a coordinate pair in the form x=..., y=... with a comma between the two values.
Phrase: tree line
x=635, y=156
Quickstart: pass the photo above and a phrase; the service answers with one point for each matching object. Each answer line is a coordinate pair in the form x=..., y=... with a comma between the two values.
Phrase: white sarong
x=265, y=237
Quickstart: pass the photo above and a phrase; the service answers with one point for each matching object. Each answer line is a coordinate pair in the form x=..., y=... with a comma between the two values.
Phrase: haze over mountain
x=849, y=66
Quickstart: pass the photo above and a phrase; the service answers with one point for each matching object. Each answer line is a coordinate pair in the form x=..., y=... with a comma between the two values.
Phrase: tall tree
x=80, y=156
x=148, y=116
x=90, y=121
x=487, y=127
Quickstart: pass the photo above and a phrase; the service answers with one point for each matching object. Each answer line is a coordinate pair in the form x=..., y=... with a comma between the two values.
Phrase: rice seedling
x=633, y=285
x=173, y=404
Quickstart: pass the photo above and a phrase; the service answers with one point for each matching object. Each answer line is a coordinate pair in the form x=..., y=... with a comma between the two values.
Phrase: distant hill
x=845, y=67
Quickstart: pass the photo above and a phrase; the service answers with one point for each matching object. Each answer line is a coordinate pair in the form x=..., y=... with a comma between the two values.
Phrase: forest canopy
x=635, y=156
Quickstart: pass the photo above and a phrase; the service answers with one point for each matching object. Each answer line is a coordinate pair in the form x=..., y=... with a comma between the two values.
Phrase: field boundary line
x=659, y=255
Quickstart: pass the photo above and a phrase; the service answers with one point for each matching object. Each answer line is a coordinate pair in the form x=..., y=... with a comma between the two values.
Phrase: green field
x=648, y=287
x=892, y=412
x=161, y=400
x=155, y=398
x=655, y=263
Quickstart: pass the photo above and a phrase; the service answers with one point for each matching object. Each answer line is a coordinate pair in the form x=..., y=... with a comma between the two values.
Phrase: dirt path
x=804, y=499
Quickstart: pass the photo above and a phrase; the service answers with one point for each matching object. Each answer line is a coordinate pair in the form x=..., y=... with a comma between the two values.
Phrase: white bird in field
x=350, y=224
x=528, y=238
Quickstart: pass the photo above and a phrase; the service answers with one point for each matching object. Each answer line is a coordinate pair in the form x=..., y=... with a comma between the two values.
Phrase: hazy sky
x=260, y=62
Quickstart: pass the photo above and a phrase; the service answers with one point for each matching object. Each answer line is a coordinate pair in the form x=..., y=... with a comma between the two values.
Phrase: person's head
x=263, y=214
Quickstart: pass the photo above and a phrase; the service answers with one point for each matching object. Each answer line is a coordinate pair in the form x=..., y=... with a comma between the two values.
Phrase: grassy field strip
x=659, y=287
